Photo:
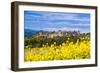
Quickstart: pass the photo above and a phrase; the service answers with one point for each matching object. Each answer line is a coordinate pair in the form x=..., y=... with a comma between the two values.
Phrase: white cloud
x=81, y=24
x=64, y=16
x=62, y=29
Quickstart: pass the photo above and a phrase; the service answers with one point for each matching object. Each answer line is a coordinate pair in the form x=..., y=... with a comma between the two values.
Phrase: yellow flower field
x=65, y=51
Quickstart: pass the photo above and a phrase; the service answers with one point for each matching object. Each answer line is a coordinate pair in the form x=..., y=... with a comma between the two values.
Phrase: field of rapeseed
x=65, y=51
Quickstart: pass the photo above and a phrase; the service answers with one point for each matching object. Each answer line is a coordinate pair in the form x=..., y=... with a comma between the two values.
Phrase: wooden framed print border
x=52, y=36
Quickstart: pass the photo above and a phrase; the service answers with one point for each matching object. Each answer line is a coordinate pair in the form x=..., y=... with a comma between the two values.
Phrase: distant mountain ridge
x=29, y=32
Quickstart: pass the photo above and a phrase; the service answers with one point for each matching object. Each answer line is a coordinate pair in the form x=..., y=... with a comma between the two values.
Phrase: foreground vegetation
x=61, y=49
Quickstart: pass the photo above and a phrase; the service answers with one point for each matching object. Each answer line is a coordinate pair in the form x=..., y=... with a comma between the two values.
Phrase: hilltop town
x=58, y=33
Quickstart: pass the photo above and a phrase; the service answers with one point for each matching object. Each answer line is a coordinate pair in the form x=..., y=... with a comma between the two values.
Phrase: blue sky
x=54, y=21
